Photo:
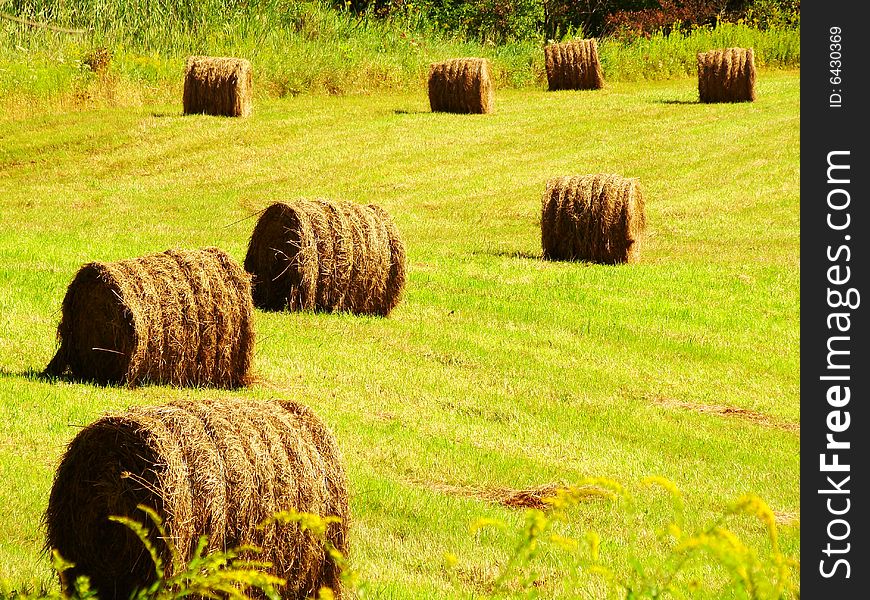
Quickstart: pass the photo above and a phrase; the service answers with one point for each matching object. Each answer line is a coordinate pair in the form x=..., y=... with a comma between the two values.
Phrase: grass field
x=498, y=369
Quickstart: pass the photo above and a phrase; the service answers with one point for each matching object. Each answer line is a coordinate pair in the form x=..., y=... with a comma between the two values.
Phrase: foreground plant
x=228, y=574
x=318, y=527
x=221, y=574
x=752, y=573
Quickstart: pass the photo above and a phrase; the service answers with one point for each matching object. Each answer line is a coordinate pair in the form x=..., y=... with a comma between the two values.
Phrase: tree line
x=503, y=20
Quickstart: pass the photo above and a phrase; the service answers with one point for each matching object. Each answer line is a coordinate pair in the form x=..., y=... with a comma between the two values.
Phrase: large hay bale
x=596, y=218
x=326, y=256
x=461, y=85
x=573, y=65
x=726, y=75
x=183, y=317
x=218, y=86
x=208, y=467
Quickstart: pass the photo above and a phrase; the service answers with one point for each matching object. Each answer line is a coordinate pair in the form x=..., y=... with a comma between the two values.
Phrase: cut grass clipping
x=596, y=218
x=726, y=75
x=218, y=86
x=539, y=497
x=326, y=256
x=573, y=66
x=461, y=85
x=219, y=468
x=183, y=317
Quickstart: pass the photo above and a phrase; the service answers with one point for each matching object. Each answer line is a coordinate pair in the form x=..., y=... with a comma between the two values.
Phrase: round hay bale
x=726, y=75
x=573, y=65
x=182, y=317
x=326, y=256
x=211, y=467
x=461, y=85
x=597, y=218
x=218, y=86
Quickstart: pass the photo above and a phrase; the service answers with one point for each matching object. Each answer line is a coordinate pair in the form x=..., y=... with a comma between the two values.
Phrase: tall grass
x=664, y=56
x=301, y=47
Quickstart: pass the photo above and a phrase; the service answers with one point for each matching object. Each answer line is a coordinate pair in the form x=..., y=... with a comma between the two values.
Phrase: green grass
x=498, y=369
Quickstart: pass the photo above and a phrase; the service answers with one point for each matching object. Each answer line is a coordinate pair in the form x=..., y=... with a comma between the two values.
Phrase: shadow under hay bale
x=218, y=86
x=573, y=66
x=326, y=256
x=183, y=317
x=597, y=218
x=211, y=467
x=461, y=85
x=726, y=75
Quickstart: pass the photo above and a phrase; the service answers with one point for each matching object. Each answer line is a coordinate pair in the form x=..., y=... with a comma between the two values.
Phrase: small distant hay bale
x=98, y=60
x=218, y=86
x=726, y=75
x=326, y=256
x=574, y=66
x=182, y=317
x=461, y=85
x=596, y=218
x=208, y=467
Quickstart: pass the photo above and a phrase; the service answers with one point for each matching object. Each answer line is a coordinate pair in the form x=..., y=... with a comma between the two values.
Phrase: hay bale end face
x=326, y=256
x=218, y=86
x=183, y=317
x=211, y=467
x=596, y=218
x=726, y=75
x=461, y=85
x=573, y=66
